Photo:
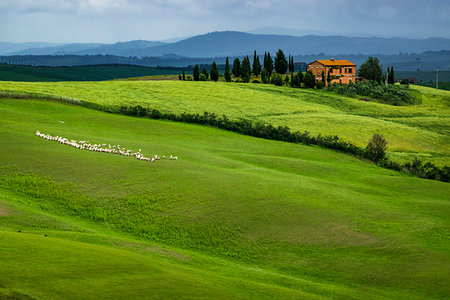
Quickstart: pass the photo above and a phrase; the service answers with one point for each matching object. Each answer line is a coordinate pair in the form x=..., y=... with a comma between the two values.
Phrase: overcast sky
x=110, y=21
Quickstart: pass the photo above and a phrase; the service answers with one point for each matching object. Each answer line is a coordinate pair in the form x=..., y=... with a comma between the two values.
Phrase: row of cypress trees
x=244, y=69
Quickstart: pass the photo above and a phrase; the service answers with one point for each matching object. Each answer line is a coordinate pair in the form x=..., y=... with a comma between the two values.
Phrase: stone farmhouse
x=341, y=71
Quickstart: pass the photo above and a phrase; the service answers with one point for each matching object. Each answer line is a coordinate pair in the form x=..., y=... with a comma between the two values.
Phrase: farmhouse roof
x=332, y=62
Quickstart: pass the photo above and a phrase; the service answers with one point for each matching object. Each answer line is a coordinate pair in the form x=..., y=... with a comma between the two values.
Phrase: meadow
x=234, y=217
x=411, y=131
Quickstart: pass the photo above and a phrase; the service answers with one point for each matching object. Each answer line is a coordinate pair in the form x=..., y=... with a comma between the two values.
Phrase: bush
x=202, y=77
x=276, y=79
x=319, y=85
x=255, y=81
x=376, y=148
x=265, y=78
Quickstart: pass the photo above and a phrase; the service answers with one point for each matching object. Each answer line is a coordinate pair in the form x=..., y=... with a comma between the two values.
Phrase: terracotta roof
x=342, y=62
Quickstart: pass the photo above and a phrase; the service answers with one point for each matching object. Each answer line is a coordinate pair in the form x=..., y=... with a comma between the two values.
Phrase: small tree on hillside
x=265, y=76
x=214, y=72
x=184, y=75
x=300, y=78
x=227, y=73
x=376, y=148
x=236, y=67
x=371, y=70
x=309, y=79
x=196, y=73
x=205, y=72
x=281, y=64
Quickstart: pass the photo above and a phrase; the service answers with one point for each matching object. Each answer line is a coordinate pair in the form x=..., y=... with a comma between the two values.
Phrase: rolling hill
x=411, y=131
x=234, y=217
x=79, y=73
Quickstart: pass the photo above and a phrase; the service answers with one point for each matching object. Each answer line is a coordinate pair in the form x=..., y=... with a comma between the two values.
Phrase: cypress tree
x=281, y=64
x=323, y=77
x=214, y=72
x=227, y=73
x=391, y=78
x=268, y=64
x=184, y=75
x=256, y=64
x=196, y=73
x=236, y=68
x=291, y=64
x=246, y=69
x=328, y=78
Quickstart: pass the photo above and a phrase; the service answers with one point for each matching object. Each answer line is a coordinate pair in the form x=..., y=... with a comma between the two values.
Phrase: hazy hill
x=229, y=43
x=54, y=50
x=6, y=48
x=120, y=48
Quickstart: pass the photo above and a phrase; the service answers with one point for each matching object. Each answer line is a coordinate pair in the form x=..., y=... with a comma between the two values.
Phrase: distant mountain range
x=120, y=49
x=233, y=43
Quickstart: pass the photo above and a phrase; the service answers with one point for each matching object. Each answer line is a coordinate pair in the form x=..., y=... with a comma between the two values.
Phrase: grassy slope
x=76, y=73
x=411, y=131
x=320, y=222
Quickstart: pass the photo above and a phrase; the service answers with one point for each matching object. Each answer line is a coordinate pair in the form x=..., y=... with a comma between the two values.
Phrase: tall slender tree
x=328, y=78
x=268, y=64
x=227, y=73
x=323, y=77
x=196, y=73
x=246, y=69
x=214, y=72
x=291, y=64
x=256, y=64
x=184, y=75
x=281, y=64
x=391, y=78
x=236, y=67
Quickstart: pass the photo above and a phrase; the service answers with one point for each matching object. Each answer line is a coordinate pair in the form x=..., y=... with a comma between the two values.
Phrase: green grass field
x=411, y=131
x=77, y=73
x=234, y=217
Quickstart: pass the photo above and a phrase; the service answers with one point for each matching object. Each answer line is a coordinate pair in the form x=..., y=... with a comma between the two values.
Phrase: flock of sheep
x=113, y=149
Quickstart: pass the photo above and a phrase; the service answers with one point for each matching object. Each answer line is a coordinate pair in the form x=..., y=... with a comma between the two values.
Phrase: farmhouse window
x=350, y=70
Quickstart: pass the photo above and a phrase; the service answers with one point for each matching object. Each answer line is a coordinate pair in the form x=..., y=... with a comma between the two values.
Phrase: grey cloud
x=112, y=20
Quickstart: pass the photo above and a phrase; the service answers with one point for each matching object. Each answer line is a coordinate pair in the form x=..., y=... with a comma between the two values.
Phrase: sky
x=108, y=21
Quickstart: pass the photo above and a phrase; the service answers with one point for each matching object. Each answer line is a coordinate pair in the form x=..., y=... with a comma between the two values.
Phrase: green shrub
x=276, y=79
x=376, y=148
